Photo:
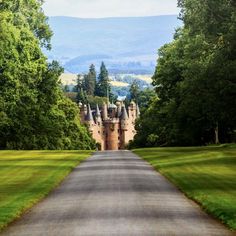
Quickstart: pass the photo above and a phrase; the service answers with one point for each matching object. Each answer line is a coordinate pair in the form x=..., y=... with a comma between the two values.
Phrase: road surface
x=115, y=193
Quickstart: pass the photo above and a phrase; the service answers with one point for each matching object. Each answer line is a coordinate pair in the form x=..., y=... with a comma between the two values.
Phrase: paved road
x=115, y=193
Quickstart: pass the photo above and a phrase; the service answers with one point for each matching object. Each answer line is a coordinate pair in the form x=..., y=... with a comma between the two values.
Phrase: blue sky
x=109, y=8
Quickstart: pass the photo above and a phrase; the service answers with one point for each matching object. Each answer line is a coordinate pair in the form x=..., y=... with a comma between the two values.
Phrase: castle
x=112, y=127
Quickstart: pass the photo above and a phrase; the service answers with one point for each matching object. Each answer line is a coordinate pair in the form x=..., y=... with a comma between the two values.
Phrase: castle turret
x=83, y=112
x=119, y=108
x=104, y=112
x=98, y=116
x=124, y=118
x=89, y=119
x=112, y=110
x=132, y=111
x=89, y=116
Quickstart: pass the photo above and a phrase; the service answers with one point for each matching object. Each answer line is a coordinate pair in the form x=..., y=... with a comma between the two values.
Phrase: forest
x=195, y=80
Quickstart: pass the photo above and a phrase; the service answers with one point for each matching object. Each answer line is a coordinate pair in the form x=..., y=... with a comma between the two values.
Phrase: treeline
x=90, y=85
x=195, y=80
x=95, y=89
x=34, y=113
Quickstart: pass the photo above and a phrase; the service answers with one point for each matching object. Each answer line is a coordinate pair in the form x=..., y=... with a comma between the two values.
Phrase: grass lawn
x=28, y=176
x=205, y=174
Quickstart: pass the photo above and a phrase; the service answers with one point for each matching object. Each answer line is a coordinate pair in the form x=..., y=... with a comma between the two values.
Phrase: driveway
x=116, y=193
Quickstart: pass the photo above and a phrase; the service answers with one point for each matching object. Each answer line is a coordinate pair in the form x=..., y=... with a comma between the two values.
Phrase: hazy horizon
x=114, y=8
x=108, y=17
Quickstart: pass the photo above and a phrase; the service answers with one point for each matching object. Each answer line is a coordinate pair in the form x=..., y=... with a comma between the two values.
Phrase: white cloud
x=109, y=8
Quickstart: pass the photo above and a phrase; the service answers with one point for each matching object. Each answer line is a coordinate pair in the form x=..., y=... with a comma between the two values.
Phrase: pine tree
x=103, y=87
x=90, y=81
x=134, y=91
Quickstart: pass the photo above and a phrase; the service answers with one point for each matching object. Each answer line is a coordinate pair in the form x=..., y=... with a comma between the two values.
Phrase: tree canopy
x=34, y=114
x=195, y=79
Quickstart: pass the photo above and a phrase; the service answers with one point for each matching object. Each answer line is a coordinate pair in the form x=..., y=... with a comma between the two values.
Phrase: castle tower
x=124, y=124
x=89, y=119
x=132, y=111
x=112, y=108
x=98, y=133
x=98, y=116
x=83, y=112
x=104, y=112
x=112, y=134
x=119, y=107
x=124, y=119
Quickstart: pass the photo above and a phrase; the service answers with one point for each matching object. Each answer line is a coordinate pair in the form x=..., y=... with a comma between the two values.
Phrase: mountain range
x=126, y=45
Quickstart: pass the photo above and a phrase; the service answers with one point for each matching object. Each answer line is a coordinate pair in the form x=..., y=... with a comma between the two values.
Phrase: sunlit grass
x=28, y=176
x=205, y=174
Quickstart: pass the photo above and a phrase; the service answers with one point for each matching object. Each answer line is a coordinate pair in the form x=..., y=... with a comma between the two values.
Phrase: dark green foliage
x=145, y=97
x=103, y=88
x=90, y=81
x=34, y=114
x=134, y=91
x=94, y=101
x=91, y=91
x=66, y=89
x=195, y=79
x=142, y=97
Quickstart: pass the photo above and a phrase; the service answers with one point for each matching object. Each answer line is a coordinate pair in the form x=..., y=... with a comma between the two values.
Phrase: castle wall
x=130, y=131
x=99, y=136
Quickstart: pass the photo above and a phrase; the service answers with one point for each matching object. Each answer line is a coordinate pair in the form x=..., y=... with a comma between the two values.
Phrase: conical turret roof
x=98, y=113
x=119, y=110
x=89, y=116
x=124, y=114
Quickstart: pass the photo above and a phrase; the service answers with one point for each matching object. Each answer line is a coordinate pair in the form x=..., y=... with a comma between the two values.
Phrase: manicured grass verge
x=205, y=174
x=28, y=176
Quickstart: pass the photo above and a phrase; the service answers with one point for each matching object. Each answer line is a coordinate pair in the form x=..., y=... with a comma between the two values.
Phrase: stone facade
x=112, y=127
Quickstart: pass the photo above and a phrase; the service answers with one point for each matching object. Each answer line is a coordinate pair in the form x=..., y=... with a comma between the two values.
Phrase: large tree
x=90, y=81
x=34, y=114
x=103, y=88
x=195, y=79
x=134, y=91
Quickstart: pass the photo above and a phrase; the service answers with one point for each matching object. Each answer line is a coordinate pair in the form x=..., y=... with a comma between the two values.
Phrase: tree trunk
x=217, y=141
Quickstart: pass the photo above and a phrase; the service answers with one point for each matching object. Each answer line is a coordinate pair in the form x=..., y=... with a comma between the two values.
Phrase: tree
x=90, y=81
x=134, y=91
x=34, y=114
x=195, y=79
x=66, y=88
x=103, y=88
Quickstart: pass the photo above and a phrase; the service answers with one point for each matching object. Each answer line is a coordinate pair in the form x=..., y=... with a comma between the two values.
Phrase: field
x=28, y=176
x=119, y=84
x=205, y=174
x=71, y=79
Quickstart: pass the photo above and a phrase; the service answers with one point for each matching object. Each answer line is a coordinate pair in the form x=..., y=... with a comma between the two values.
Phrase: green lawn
x=205, y=174
x=28, y=176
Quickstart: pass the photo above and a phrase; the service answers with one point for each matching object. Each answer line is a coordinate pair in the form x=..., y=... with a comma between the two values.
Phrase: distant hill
x=126, y=45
